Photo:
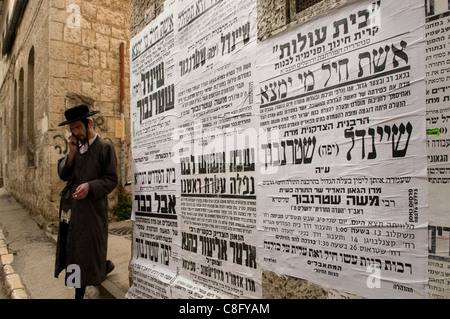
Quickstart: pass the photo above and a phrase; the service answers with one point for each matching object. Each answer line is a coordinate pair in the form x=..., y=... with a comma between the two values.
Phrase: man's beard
x=83, y=139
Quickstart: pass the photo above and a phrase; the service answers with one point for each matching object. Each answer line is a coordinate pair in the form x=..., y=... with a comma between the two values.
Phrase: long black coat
x=84, y=241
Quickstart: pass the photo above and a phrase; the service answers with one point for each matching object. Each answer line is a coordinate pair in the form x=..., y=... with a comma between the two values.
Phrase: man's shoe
x=109, y=266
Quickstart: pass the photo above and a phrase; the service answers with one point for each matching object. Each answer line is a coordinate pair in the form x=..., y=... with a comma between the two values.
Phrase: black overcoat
x=84, y=240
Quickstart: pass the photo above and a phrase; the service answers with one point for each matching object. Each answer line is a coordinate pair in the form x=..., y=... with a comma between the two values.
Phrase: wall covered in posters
x=194, y=180
x=303, y=155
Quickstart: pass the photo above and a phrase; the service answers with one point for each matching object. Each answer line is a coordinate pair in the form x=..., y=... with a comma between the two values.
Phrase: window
x=30, y=111
x=20, y=123
x=301, y=5
x=14, y=120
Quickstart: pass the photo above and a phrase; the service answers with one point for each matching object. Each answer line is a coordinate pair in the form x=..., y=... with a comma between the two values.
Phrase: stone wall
x=76, y=52
x=85, y=60
x=24, y=181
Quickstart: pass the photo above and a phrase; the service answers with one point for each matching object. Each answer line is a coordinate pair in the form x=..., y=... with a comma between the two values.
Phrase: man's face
x=79, y=131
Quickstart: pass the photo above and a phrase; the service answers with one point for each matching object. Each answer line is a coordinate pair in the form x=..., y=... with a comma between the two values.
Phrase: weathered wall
x=85, y=60
x=76, y=53
x=142, y=12
x=26, y=181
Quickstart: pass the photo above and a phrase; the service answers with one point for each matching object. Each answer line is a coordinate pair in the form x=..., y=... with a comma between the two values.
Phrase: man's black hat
x=77, y=113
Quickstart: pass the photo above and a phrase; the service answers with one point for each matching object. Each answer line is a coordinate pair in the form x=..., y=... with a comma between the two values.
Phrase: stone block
x=91, y=89
x=94, y=57
x=19, y=294
x=58, y=14
x=79, y=72
x=82, y=56
x=89, y=10
x=61, y=51
x=109, y=109
x=102, y=28
x=3, y=250
x=73, y=99
x=109, y=93
x=58, y=107
x=115, y=44
x=56, y=30
x=6, y=259
x=111, y=17
x=102, y=76
x=103, y=60
x=58, y=69
x=61, y=86
x=13, y=281
x=59, y=4
x=88, y=38
x=120, y=33
x=102, y=42
x=8, y=270
x=113, y=60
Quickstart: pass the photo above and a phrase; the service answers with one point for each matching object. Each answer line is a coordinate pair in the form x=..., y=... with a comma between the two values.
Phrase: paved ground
x=33, y=249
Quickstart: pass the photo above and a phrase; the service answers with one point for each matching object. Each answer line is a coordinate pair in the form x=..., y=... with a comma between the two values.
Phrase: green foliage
x=122, y=210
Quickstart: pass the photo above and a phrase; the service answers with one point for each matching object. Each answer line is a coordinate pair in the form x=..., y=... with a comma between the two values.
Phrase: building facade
x=56, y=54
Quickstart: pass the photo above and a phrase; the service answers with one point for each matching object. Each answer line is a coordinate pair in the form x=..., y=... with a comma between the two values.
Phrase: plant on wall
x=122, y=210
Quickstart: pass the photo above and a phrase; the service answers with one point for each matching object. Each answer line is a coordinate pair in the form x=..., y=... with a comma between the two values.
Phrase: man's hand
x=82, y=191
x=73, y=148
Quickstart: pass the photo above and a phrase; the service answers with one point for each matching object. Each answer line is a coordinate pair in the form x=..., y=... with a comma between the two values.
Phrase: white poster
x=194, y=171
x=437, y=61
x=216, y=106
x=343, y=185
x=155, y=176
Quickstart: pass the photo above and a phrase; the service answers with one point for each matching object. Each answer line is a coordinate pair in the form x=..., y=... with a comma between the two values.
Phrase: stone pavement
x=27, y=258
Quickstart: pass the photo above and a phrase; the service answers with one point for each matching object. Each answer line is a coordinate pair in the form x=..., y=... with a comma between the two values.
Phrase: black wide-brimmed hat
x=77, y=113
